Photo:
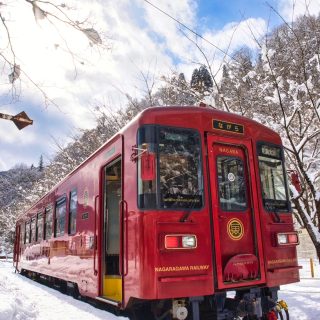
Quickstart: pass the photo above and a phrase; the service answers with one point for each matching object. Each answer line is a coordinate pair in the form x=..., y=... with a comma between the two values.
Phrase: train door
x=17, y=243
x=237, y=235
x=112, y=258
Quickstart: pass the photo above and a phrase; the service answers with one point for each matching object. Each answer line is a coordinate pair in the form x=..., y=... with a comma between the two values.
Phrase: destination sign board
x=227, y=126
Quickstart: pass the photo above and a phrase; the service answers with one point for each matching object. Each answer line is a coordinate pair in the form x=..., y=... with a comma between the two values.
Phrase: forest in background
x=278, y=85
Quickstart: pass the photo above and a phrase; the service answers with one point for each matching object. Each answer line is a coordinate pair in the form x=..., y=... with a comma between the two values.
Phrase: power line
x=188, y=28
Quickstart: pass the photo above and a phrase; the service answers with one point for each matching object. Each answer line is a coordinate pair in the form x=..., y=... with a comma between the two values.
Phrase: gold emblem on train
x=235, y=229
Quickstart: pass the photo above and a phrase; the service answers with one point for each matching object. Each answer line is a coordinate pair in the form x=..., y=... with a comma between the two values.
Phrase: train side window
x=273, y=177
x=27, y=234
x=147, y=188
x=73, y=211
x=48, y=223
x=33, y=230
x=60, y=218
x=39, y=235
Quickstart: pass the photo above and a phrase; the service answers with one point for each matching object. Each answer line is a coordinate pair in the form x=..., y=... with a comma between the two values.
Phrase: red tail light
x=172, y=242
x=180, y=241
x=293, y=238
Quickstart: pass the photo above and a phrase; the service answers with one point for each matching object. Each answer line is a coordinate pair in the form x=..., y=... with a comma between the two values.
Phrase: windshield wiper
x=188, y=212
x=186, y=216
x=272, y=208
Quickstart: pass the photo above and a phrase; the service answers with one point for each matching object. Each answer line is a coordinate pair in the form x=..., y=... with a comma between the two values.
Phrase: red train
x=181, y=207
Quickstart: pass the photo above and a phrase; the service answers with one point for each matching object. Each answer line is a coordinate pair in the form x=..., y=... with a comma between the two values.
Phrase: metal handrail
x=95, y=246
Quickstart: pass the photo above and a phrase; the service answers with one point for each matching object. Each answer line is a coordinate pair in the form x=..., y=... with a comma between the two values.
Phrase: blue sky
x=216, y=14
x=140, y=40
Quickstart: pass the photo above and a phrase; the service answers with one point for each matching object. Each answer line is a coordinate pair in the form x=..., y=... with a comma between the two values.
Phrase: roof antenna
x=205, y=105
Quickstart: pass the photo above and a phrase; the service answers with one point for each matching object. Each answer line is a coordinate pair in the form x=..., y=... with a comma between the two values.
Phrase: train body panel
x=183, y=202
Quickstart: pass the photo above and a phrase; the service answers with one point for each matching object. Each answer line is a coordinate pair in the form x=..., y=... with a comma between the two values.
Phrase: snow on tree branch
x=54, y=19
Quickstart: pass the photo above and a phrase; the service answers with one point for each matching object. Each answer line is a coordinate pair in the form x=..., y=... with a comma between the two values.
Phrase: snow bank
x=303, y=299
x=24, y=299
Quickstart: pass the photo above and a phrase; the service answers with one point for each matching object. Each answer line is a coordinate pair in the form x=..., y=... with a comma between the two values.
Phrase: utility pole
x=21, y=120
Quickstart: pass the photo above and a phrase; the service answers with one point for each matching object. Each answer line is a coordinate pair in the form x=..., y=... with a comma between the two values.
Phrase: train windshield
x=178, y=180
x=273, y=180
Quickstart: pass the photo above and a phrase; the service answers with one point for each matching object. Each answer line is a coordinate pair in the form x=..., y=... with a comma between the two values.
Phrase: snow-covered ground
x=303, y=298
x=24, y=299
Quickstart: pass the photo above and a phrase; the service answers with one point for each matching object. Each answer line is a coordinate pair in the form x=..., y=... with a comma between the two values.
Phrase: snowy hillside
x=16, y=182
x=15, y=186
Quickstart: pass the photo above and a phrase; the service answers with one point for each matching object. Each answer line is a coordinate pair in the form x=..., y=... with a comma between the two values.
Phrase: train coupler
x=179, y=310
x=282, y=306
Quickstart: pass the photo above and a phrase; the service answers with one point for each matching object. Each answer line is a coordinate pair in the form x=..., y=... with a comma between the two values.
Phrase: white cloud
x=10, y=134
x=167, y=29
x=146, y=43
x=235, y=35
x=72, y=73
x=225, y=41
x=291, y=9
x=232, y=36
x=76, y=75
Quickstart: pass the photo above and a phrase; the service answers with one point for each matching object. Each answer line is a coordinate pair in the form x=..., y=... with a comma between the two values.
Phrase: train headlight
x=189, y=241
x=288, y=238
x=282, y=238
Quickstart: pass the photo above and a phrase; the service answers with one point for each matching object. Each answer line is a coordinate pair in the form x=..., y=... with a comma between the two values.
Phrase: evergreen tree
x=194, y=79
x=205, y=78
x=182, y=79
x=201, y=85
x=201, y=80
x=40, y=167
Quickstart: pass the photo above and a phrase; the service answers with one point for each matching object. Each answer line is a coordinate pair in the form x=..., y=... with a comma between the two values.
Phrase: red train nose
x=241, y=267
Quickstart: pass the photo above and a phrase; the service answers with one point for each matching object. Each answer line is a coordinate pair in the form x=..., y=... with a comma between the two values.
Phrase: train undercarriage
x=246, y=304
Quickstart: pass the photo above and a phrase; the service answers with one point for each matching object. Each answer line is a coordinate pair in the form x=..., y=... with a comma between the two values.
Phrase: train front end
x=213, y=231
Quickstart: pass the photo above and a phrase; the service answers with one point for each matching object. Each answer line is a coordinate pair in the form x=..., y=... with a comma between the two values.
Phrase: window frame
x=245, y=177
x=27, y=230
x=72, y=213
x=59, y=202
x=45, y=233
x=33, y=234
x=40, y=213
x=269, y=208
x=157, y=128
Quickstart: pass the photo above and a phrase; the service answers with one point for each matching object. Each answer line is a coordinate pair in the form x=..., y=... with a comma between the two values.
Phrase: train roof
x=160, y=115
